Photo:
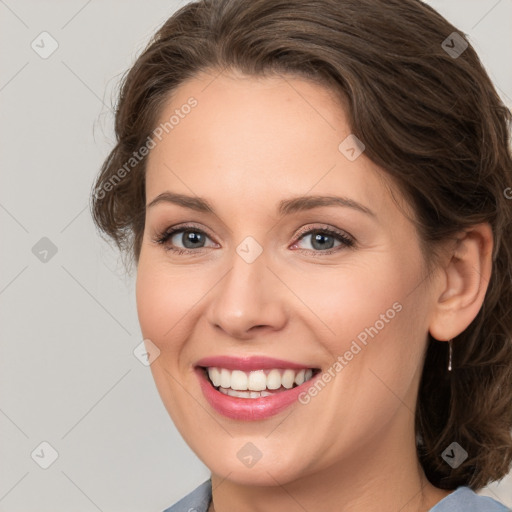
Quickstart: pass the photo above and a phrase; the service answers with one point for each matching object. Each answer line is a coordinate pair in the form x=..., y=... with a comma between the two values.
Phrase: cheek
x=347, y=301
x=163, y=301
x=372, y=316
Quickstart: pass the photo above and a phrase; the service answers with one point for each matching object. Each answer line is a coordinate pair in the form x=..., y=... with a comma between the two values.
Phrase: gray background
x=68, y=324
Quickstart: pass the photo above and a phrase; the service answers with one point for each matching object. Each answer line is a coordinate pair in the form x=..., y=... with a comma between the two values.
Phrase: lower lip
x=249, y=409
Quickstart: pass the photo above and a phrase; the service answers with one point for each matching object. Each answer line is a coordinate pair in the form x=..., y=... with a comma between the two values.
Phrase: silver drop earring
x=450, y=356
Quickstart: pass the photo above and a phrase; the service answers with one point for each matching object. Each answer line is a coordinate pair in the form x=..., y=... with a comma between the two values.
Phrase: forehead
x=252, y=141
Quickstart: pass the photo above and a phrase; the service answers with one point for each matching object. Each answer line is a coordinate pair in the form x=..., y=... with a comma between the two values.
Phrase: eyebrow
x=286, y=206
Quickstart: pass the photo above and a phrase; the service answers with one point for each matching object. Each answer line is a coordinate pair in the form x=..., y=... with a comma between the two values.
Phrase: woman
x=315, y=195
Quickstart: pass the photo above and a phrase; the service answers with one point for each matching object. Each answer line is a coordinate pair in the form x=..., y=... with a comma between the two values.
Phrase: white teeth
x=299, y=378
x=274, y=379
x=215, y=376
x=288, y=378
x=256, y=383
x=257, y=380
x=244, y=394
x=239, y=380
x=225, y=378
x=232, y=392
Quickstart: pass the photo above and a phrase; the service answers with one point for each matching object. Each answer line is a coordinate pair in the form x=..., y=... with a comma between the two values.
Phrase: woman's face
x=262, y=278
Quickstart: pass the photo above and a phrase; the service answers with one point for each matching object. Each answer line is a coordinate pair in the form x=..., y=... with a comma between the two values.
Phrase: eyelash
x=346, y=241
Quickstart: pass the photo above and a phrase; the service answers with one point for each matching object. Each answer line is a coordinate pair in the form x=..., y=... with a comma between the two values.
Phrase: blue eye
x=193, y=240
x=323, y=239
x=190, y=235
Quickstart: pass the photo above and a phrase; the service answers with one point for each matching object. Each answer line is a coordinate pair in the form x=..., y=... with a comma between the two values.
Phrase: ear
x=463, y=283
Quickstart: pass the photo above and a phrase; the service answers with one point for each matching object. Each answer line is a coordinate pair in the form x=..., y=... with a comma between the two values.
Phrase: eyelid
x=167, y=233
x=324, y=228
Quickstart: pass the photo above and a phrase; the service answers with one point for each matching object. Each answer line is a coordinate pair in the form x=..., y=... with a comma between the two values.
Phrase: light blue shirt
x=463, y=499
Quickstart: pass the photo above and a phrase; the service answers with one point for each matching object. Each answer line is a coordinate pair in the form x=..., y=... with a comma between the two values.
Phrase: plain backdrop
x=68, y=377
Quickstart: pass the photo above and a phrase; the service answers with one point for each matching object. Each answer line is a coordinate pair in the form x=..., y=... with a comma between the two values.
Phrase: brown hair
x=432, y=121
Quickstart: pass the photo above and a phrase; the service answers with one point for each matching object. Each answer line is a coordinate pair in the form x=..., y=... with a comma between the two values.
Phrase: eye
x=323, y=239
x=193, y=240
x=191, y=237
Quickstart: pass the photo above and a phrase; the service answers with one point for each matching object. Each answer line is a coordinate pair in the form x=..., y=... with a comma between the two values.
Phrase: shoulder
x=464, y=499
x=196, y=501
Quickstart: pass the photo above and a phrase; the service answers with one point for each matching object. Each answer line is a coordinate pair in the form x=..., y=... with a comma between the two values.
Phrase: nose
x=249, y=299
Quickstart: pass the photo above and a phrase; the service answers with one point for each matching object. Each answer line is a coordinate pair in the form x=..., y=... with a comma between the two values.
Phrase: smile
x=252, y=388
x=256, y=383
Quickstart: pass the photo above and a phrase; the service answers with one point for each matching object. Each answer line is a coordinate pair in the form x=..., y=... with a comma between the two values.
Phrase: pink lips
x=247, y=364
x=248, y=409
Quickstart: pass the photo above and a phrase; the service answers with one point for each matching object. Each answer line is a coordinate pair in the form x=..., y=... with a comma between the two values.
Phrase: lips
x=252, y=388
x=248, y=363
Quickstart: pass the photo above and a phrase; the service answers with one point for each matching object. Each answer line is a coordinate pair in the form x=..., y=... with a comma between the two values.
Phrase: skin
x=248, y=144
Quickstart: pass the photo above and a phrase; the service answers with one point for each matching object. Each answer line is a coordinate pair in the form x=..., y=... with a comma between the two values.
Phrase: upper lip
x=248, y=363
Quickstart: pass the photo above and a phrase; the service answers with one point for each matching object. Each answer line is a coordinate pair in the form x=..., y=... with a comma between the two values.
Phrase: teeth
x=288, y=378
x=299, y=378
x=256, y=383
x=215, y=376
x=225, y=378
x=244, y=394
x=274, y=379
x=239, y=380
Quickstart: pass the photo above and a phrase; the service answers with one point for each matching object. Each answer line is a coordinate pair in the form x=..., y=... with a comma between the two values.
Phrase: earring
x=450, y=356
